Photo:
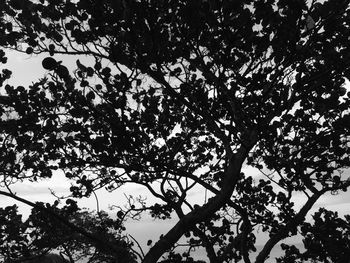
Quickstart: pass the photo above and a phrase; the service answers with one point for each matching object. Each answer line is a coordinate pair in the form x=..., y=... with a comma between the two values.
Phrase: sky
x=27, y=69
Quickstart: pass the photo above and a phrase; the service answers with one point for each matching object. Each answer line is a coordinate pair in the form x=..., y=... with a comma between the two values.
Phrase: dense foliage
x=180, y=97
x=41, y=233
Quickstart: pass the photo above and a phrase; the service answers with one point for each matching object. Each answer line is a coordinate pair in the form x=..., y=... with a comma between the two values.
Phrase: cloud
x=37, y=189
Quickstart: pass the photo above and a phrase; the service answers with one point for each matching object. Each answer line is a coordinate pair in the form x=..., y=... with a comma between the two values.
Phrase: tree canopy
x=180, y=97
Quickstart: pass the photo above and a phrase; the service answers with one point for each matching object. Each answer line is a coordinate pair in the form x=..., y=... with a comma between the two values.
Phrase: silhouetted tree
x=47, y=258
x=42, y=235
x=179, y=97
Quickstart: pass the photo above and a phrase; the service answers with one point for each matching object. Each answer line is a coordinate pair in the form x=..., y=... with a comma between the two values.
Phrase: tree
x=48, y=258
x=41, y=234
x=180, y=96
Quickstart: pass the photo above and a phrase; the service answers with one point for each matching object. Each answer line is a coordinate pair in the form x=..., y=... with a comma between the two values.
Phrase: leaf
x=310, y=23
x=49, y=63
x=29, y=50
x=120, y=214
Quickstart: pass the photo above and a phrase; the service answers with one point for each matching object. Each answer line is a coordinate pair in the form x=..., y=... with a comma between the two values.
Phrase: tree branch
x=204, y=212
x=283, y=232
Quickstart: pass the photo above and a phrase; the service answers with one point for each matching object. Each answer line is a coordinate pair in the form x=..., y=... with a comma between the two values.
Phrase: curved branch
x=142, y=255
x=283, y=232
x=204, y=212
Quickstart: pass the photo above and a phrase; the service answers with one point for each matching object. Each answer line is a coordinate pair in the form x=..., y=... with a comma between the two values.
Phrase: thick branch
x=283, y=232
x=207, y=210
